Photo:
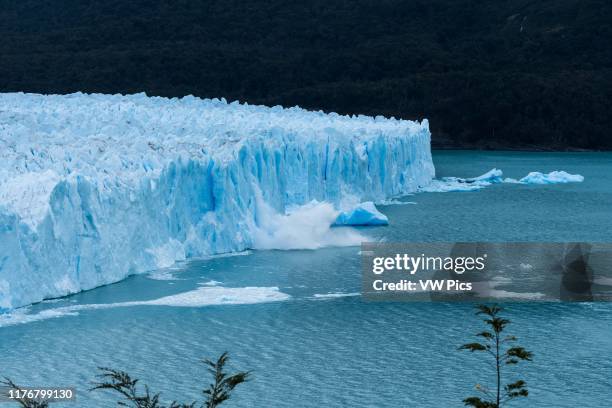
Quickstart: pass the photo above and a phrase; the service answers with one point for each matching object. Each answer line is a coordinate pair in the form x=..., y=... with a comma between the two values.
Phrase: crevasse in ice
x=96, y=187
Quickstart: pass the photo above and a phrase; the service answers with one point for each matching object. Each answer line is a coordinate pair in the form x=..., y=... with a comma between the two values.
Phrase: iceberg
x=96, y=187
x=363, y=214
x=554, y=177
x=448, y=184
x=495, y=176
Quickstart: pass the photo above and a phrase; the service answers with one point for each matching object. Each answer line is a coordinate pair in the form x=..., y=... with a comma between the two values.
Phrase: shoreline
x=533, y=149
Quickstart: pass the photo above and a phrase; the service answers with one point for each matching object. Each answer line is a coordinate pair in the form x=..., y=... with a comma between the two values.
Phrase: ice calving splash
x=309, y=226
x=313, y=225
x=495, y=176
x=94, y=188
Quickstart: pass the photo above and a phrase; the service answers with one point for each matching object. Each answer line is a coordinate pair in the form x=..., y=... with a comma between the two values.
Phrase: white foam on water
x=603, y=281
x=336, y=295
x=169, y=273
x=490, y=289
x=21, y=316
x=395, y=202
x=217, y=295
x=211, y=283
x=498, y=293
x=162, y=275
x=200, y=297
x=228, y=255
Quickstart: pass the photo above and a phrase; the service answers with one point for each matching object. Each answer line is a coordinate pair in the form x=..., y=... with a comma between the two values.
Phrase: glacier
x=96, y=187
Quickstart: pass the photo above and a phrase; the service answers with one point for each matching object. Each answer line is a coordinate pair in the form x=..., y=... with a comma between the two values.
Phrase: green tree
x=504, y=354
x=224, y=384
x=122, y=383
x=141, y=397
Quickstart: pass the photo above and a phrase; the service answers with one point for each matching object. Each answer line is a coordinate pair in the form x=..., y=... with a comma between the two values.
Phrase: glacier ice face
x=96, y=187
x=363, y=214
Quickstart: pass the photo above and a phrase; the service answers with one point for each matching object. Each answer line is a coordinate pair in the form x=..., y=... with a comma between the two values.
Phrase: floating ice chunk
x=200, y=297
x=363, y=214
x=554, y=177
x=494, y=176
x=218, y=295
x=447, y=184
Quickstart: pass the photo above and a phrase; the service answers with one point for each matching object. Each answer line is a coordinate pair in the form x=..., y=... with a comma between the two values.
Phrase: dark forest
x=486, y=73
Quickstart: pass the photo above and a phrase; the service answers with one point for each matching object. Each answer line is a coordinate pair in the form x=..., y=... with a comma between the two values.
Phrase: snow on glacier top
x=95, y=131
x=119, y=139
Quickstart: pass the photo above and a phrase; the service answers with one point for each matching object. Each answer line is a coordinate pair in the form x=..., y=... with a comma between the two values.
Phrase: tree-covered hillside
x=487, y=73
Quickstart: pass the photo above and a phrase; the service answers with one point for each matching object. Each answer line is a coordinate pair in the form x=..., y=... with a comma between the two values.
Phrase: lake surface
x=317, y=343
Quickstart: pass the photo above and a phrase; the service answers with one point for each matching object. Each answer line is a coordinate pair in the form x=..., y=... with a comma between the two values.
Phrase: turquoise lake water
x=322, y=345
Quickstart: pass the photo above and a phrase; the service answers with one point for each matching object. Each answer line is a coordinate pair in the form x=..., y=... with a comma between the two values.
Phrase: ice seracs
x=96, y=187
